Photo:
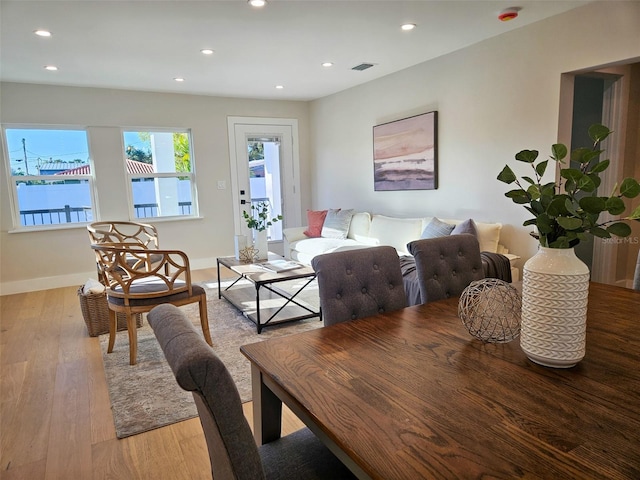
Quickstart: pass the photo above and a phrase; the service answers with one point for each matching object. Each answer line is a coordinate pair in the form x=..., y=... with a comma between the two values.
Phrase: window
x=50, y=174
x=160, y=173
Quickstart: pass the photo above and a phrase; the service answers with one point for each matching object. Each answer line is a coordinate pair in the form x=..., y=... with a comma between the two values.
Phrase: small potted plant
x=555, y=281
x=258, y=221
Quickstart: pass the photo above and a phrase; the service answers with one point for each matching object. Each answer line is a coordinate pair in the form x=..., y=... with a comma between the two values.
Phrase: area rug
x=146, y=396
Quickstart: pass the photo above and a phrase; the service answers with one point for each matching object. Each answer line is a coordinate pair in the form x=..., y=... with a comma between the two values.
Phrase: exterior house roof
x=132, y=167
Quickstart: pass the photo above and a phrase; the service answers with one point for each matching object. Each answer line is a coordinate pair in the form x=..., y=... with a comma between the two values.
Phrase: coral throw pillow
x=315, y=221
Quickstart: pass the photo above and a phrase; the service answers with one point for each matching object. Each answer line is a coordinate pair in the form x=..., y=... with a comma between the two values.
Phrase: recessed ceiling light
x=43, y=33
x=327, y=64
x=408, y=26
x=51, y=68
x=179, y=79
x=257, y=3
x=207, y=51
x=279, y=87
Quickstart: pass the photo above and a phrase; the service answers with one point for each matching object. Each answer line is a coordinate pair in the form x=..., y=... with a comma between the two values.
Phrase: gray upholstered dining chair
x=359, y=283
x=232, y=450
x=445, y=266
x=636, y=275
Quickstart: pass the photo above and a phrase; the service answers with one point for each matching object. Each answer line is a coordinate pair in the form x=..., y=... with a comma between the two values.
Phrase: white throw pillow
x=336, y=223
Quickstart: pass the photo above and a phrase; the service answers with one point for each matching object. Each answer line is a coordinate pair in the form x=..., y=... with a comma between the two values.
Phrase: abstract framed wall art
x=405, y=153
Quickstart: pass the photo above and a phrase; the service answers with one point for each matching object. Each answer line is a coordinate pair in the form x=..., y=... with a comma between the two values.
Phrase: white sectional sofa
x=367, y=230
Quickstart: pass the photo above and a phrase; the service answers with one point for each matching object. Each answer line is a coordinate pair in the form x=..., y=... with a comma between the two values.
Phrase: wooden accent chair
x=137, y=279
x=118, y=232
x=232, y=450
x=445, y=266
x=359, y=283
x=144, y=234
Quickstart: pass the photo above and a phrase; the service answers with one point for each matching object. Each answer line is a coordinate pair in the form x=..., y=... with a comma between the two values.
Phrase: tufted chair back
x=446, y=265
x=359, y=283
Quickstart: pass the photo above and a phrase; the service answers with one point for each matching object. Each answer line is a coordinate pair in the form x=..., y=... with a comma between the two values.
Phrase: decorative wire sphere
x=490, y=309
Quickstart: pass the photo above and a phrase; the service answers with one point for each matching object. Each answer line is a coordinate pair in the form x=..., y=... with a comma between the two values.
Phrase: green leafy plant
x=565, y=212
x=258, y=219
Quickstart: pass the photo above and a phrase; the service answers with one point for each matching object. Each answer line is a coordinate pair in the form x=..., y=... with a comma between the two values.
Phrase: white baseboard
x=45, y=283
x=74, y=279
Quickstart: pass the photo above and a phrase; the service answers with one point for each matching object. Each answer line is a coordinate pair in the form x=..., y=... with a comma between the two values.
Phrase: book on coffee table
x=278, y=266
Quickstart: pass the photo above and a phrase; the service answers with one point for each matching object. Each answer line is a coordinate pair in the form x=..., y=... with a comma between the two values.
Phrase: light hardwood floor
x=55, y=416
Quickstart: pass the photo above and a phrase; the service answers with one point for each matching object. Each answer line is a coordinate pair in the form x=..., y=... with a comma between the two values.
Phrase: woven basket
x=95, y=311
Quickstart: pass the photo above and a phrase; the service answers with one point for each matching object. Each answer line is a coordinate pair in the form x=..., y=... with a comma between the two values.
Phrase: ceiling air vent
x=362, y=66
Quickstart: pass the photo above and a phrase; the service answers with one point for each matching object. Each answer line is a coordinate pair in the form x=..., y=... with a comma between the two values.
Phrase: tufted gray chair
x=359, y=283
x=232, y=450
x=446, y=265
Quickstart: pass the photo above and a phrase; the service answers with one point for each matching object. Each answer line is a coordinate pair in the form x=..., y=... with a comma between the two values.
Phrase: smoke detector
x=508, y=14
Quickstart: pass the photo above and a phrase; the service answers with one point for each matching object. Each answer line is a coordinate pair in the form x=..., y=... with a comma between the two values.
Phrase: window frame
x=131, y=176
x=14, y=202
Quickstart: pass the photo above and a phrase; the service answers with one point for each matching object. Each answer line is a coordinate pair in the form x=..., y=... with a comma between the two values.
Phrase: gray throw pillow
x=336, y=223
x=437, y=228
x=468, y=226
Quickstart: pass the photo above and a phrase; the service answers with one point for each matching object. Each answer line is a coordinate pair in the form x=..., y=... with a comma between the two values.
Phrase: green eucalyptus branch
x=565, y=212
x=258, y=219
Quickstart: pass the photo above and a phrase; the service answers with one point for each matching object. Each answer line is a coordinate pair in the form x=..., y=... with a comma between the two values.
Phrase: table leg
x=258, y=326
x=219, y=289
x=267, y=410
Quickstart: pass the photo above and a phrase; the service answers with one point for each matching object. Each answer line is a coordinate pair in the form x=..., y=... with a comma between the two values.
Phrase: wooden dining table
x=411, y=395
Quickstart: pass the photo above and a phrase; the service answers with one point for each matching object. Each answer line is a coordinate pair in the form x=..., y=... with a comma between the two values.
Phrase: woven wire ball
x=490, y=309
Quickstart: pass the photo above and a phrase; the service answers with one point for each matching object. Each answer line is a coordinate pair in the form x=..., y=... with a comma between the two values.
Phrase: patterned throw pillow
x=437, y=228
x=336, y=224
x=468, y=226
x=315, y=221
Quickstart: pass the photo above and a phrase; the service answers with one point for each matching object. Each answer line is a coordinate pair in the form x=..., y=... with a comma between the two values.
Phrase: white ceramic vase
x=555, y=288
x=261, y=244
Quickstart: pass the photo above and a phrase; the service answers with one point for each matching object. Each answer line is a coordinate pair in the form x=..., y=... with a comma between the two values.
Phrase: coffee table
x=262, y=286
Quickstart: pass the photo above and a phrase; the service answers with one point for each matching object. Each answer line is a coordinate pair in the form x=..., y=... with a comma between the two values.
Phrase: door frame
x=604, y=262
x=290, y=167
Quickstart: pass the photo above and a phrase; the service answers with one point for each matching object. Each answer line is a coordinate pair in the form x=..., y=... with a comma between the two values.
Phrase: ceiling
x=144, y=45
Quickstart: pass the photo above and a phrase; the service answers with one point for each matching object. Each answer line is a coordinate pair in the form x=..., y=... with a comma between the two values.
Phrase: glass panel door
x=263, y=154
x=264, y=160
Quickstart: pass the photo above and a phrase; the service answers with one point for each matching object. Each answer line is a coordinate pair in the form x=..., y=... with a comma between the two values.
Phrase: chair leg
x=204, y=320
x=113, y=328
x=133, y=338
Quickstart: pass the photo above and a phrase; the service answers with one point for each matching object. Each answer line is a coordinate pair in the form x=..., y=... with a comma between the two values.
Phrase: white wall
x=493, y=100
x=46, y=259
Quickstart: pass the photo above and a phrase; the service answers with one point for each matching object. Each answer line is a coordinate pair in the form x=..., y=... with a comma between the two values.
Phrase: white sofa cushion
x=359, y=227
x=313, y=246
x=396, y=232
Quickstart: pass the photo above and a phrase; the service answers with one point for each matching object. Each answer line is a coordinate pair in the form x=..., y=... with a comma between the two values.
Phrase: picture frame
x=405, y=153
